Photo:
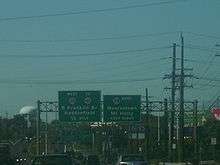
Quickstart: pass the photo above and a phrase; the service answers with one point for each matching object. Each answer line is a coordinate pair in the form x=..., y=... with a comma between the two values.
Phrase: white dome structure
x=27, y=110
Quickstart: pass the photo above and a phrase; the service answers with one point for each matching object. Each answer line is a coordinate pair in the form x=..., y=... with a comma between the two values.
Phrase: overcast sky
x=122, y=49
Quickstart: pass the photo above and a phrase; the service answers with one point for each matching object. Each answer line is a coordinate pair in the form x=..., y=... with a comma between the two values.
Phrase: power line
x=215, y=96
x=109, y=38
x=63, y=82
x=209, y=79
x=192, y=60
x=141, y=65
x=207, y=85
x=85, y=54
x=201, y=86
x=196, y=47
x=210, y=60
x=206, y=71
x=195, y=61
x=202, y=35
x=90, y=39
x=137, y=66
x=91, y=11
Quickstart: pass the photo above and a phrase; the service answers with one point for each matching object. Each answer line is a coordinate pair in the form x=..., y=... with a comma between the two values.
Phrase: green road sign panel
x=79, y=106
x=189, y=118
x=122, y=108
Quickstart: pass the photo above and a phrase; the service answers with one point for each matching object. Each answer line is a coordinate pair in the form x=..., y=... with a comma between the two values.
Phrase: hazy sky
x=105, y=50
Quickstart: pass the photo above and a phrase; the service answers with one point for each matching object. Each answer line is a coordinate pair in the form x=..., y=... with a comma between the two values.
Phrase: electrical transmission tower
x=176, y=115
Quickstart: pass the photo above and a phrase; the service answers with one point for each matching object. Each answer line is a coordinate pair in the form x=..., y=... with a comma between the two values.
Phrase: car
x=53, y=159
x=131, y=159
x=21, y=160
x=92, y=160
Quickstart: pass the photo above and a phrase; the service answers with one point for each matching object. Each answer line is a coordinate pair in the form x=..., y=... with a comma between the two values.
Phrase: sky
x=116, y=46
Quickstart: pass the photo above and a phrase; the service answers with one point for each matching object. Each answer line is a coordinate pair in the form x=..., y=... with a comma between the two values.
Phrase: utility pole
x=177, y=83
x=147, y=126
x=38, y=127
x=167, y=136
x=172, y=76
x=182, y=111
x=173, y=92
x=7, y=125
x=158, y=129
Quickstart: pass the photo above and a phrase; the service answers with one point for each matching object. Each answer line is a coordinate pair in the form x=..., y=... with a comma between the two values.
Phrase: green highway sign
x=189, y=118
x=122, y=108
x=79, y=106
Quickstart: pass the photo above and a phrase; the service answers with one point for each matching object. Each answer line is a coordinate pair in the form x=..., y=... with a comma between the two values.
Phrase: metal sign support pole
x=46, y=135
x=195, y=116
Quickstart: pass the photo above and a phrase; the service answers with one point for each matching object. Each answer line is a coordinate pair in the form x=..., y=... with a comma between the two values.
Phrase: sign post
x=79, y=106
x=213, y=143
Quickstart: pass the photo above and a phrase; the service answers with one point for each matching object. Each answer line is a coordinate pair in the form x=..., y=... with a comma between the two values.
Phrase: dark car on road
x=92, y=160
x=53, y=159
x=131, y=160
